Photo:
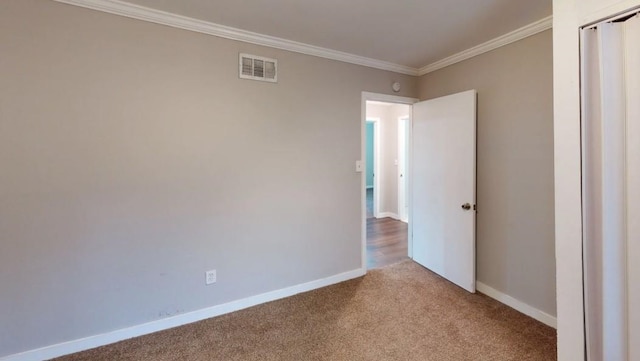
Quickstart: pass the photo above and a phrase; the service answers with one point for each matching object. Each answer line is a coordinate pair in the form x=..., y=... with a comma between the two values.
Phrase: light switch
x=358, y=166
x=395, y=162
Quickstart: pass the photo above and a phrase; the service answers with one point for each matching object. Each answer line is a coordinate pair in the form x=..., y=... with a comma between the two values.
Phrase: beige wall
x=133, y=159
x=515, y=222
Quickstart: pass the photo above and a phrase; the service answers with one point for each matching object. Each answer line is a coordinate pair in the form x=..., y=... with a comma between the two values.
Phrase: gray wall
x=133, y=159
x=515, y=224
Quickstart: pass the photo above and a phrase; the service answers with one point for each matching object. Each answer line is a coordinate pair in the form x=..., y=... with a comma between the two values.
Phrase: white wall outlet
x=358, y=166
x=210, y=277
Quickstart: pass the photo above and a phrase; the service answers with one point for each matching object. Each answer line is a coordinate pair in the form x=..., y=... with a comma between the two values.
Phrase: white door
x=443, y=186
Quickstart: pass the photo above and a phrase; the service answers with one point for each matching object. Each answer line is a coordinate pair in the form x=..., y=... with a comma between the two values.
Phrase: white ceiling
x=412, y=33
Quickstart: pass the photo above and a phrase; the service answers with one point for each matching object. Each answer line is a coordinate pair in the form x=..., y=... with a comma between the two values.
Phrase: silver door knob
x=466, y=206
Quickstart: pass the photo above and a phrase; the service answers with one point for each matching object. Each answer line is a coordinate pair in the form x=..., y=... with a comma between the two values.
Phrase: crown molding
x=519, y=34
x=186, y=23
x=129, y=10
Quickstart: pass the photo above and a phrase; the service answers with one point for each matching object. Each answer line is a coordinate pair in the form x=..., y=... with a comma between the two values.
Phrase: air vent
x=258, y=68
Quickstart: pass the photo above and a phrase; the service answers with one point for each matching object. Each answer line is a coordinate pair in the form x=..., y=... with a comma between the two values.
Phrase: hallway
x=386, y=238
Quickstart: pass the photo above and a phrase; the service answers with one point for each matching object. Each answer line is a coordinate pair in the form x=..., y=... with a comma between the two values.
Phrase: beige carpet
x=402, y=312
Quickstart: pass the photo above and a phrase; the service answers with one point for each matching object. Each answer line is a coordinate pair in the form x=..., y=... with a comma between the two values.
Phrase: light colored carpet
x=401, y=312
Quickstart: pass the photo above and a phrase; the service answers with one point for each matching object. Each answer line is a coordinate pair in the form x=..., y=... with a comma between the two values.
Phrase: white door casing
x=403, y=168
x=443, y=169
x=367, y=96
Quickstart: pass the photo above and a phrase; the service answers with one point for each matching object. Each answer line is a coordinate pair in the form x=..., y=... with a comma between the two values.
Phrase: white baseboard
x=518, y=305
x=86, y=343
x=388, y=214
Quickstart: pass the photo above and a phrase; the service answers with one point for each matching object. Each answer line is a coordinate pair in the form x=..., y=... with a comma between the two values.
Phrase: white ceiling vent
x=258, y=68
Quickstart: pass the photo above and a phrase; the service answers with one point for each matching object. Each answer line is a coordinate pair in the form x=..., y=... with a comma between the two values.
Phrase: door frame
x=404, y=149
x=368, y=96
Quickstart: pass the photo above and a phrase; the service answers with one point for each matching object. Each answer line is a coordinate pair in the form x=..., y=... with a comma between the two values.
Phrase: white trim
x=518, y=305
x=386, y=98
x=143, y=13
x=86, y=343
x=613, y=18
x=519, y=34
x=200, y=26
x=609, y=11
x=404, y=129
x=388, y=215
x=374, y=102
x=367, y=96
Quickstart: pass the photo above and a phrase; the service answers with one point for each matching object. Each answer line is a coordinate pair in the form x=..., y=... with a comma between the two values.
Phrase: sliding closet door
x=592, y=192
x=613, y=103
x=611, y=188
x=632, y=60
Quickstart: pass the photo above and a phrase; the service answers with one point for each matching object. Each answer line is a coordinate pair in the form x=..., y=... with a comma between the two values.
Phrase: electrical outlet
x=210, y=277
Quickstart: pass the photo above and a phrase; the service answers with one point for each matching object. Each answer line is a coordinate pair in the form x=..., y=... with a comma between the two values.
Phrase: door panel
x=443, y=180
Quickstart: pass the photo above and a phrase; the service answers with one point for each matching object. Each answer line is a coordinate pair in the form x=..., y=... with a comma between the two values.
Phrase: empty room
x=198, y=180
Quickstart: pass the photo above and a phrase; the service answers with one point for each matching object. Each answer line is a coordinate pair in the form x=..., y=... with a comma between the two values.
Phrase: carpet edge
x=86, y=343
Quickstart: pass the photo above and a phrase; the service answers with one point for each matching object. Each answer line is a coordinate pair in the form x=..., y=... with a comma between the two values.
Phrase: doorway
x=386, y=143
x=440, y=234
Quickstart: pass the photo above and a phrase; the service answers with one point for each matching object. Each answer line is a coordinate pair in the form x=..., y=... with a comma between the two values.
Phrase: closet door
x=632, y=65
x=611, y=188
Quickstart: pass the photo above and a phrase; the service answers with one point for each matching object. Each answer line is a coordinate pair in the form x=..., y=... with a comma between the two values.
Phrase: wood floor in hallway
x=386, y=238
x=386, y=242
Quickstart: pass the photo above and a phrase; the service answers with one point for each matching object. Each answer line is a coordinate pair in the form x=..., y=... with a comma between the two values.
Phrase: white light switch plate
x=358, y=166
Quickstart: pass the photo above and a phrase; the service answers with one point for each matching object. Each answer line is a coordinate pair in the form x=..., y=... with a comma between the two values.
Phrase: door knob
x=466, y=206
